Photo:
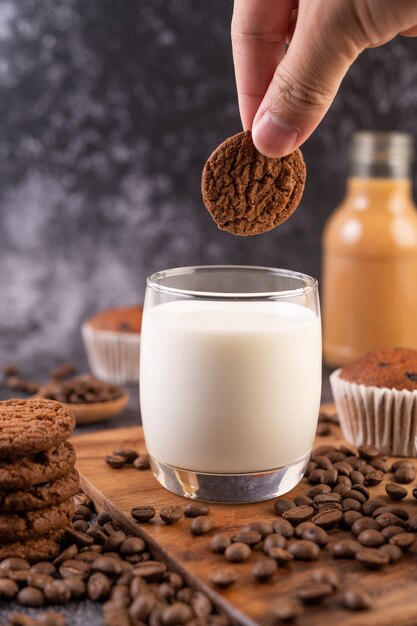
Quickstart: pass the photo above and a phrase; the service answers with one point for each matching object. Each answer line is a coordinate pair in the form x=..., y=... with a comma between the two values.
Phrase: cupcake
x=376, y=400
x=112, y=342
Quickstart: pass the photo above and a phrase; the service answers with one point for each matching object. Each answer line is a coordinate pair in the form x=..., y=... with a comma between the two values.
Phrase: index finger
x=259, y=29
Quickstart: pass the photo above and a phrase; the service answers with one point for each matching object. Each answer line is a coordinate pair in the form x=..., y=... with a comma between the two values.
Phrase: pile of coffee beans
x=126, y=458
x=103, y=563
x=83, y=389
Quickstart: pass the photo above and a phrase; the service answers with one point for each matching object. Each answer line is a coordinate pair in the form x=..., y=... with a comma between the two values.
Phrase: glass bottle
x=370, y=252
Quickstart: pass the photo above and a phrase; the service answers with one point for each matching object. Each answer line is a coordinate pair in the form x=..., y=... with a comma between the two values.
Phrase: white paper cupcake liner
x=113, y=356
x=385, y=418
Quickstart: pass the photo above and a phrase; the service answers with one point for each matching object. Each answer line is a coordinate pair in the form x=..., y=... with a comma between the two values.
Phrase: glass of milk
x=230, y=380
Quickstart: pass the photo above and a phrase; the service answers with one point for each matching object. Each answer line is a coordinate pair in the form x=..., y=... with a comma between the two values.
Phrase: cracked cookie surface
x=29, y=426
x=41, y=549
x=31, y=524
x=247, y=193
x=37, y=468
x=39, y=496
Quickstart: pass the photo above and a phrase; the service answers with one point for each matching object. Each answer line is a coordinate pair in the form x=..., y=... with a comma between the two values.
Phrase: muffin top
x=122, y=320
x=392, y=367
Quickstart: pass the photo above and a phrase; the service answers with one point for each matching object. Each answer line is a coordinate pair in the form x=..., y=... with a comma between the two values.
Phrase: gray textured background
x=108, y=111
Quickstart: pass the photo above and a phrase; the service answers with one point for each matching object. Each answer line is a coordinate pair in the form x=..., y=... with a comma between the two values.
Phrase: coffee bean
x=115, y=461
x=82, y=525
x=21, y=577
x=399, y=511
x=363, y=490
x=351, y=504
x=195, y=509
x=129, y=455
x=343, y=469
x=355, y=495
x=403, y=540
x=175, y=614
x=327, y=519
x=356, y=600
x=142, y=462
x=284, y=528
x=369, y=452
x=397, y=464
x=329, y=477
x=323, y=430
x=251, y=537
x=201, y=604
x=143, y=514
x=341, y=487
x=283, y=504
x=103, y=518
x=274, y=541
x=38, y=580
x=237, y=552
x=115, y=615
x=336, y=456
x=301, y=500
x=372, y=505
x=298, y=514
x=390, y=531
x=202, y=525
x=379, y=464
x=264, y=570
x=366, y=469
x=324, y=498
x=311, y=532
x=171, y=514
x=345, y=549
x=77, y=587
x=371, y=538
x=322, y=461
x=65, y=555
x=405, y=475
x=354, y=462
x=281, y=555
x=315, y=491
x=326, y=575
x=304, y=550
x=349, y=518
x=151, y=571
x=98, y=587
x=357, y=477
x=285, y=611
x=31, y=596
x=220, y=542
x=374, y=477
x=107, y=565
x=166, y=591
x=313, y=593
x=57, y=592
x=314, y=477
x=264, y=528
x=389, y=519
x=223, y=577
x=365, y=523
x=132, y=545
x=141, y=607
x=44, y=567
x=88, y=556
x=74, y=568
x=392, y=552
x=81, y=539
x=372, y=558
x=14, y=563
x=8, y=589
x=114, y=541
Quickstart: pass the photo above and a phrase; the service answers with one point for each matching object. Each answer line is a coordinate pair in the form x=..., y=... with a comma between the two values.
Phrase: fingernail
x=274, y=137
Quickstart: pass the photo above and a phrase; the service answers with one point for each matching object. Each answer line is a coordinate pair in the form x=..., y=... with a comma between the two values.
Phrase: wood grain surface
x=394, y=589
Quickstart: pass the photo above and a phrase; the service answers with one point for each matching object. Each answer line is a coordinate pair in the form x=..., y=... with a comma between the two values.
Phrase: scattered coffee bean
x=298, y=514
x=349, y=518
x=315, y=491
x=14, y=563
x=314, y=533
x=399, y=511
x=414, y=492
x=402, y=540
x=326, y=575
x=57, y=592
x=372, y=558
x=201, y=525
x=251, y=537
x=274, y=541
x=356, y=600
x=371, y=538
x=176, y=614
x=379, y=464
x=171, y=514
x=31, y=596
x=237, y=552
x=281, y=555
x=389, y=519
x=390, y=531
x=300, y=500
x=151, y=571
x=314, y=477
x=71, y=568
x=143, y=514
x=405, y=475
x=44, y=567
x=129, y=455
x=401, y=463
x=357, y=477
x=79, y=538
x=283, y=504
x=115, y=461
x=264, y=528
x=223, y=577
x=220, y=542
x=365, y=523
x=142, y=463
x=392, y=552
x=372, y=505
x=196, y=509
x=346, y=549
x=351, y=504
x=77, y=587
x=264, y=570
x=8, y=589
x=313, y=593
x=374, y=477
x=304, y=550
x=368, y=452
x=329, y=477
x=286, y=611
x=284, y=528
x=327, y=519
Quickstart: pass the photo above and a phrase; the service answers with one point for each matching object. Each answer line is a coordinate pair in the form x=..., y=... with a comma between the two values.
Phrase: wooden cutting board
x=394, y=589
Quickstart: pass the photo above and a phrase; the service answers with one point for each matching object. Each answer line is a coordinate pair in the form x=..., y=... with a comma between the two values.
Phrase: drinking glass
x=230, y=380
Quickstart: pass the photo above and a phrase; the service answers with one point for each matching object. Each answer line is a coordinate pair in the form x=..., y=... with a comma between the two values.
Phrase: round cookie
x=247, y=193
x=26, y=471
x=29, y=426
x=41, y=549
x=31, y=524
x=39, y=496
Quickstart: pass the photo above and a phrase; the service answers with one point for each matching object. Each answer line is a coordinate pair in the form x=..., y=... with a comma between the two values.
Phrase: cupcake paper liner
x=113, y=356
x=385, y=418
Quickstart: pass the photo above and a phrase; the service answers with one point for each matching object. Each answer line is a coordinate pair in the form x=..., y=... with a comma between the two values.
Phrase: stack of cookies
x=37, y=477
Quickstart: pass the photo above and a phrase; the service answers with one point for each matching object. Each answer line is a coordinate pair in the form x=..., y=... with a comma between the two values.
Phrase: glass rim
x=311, y=284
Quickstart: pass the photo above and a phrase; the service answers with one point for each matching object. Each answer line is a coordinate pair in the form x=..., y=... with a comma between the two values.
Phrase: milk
x=230, y=386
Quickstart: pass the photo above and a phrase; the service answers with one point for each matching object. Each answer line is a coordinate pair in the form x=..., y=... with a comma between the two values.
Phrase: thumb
x=306, y=80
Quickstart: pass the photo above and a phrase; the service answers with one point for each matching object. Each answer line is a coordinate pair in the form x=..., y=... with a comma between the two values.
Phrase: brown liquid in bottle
x=370, y=253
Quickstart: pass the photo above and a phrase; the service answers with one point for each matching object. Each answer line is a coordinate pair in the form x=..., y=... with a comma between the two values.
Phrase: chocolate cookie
x=247, y=193
x=31, y=524
x=41, y=549
x=26, y=471
x=39, y=496
x=29, y=426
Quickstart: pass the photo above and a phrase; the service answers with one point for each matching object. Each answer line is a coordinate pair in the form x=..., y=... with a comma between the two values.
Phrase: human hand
x=284, y=96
